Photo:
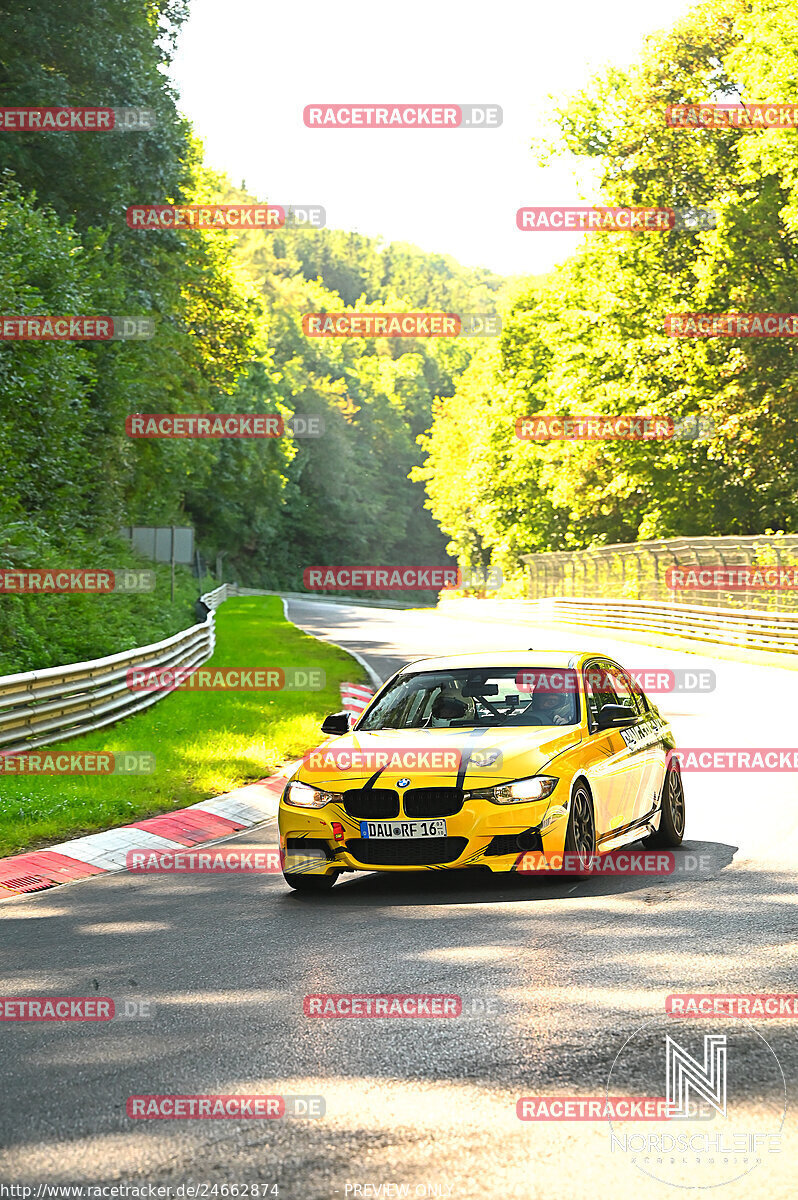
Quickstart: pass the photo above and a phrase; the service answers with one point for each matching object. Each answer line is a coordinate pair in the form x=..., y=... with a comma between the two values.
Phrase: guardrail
x=38, y=708
x=753, y=629
x=750, y=628
x=638, y=571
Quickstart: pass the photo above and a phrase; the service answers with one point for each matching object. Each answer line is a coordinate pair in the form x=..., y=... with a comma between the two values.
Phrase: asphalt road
x=555, y=976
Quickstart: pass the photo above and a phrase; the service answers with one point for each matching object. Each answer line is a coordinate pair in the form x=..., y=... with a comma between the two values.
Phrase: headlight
x=302, y=796
x=521, y=790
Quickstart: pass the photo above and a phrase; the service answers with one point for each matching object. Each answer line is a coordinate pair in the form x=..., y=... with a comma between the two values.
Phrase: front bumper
x=325, y=840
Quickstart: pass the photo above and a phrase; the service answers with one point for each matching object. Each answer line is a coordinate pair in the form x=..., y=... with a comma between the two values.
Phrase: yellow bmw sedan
x=484, y=760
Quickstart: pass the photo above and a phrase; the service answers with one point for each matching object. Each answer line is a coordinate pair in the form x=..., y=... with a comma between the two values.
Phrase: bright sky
x=246, y=69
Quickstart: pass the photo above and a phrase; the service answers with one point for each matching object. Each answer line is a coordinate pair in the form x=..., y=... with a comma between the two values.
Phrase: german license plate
x=402, y=829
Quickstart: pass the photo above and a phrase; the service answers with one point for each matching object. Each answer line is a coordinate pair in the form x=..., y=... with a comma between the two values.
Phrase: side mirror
x=615, y=716
x=336, y=723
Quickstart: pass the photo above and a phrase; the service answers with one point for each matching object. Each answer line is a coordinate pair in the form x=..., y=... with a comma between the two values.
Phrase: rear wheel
x=310, y=883
x=671, y=822
x=580, y=835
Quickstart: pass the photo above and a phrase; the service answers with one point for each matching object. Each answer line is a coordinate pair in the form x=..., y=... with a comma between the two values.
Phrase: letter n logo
x=685, y=1074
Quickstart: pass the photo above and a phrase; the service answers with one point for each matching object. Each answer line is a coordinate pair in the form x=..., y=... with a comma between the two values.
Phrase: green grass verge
x=204, y=743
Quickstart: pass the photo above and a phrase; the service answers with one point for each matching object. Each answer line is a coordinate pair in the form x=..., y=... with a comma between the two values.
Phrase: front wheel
x=671, y=822
x=310, y=883
x=580, y=835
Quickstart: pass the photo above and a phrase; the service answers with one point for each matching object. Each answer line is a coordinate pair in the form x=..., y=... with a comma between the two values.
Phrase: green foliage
x=590, y=338
x=51, y=630
x=345, y=497
x=228, y=339
x=419, y=440
x=97, y=53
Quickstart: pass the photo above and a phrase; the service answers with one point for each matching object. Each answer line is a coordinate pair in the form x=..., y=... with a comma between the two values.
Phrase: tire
x=671, y=822
x=310, y=883
x=580, y=834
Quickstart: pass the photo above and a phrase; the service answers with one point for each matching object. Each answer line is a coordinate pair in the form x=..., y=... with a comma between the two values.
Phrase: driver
x=550, y=708
x=451, y=705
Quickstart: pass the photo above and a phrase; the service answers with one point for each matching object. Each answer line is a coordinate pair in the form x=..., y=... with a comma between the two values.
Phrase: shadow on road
x=696, y=862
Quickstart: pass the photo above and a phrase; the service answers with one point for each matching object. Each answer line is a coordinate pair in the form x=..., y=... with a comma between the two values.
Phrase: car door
x=644, y=753
x=655, y=748
x=613, y=769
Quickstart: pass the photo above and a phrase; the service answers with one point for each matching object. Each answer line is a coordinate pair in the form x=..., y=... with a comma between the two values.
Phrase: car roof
x=505, y=658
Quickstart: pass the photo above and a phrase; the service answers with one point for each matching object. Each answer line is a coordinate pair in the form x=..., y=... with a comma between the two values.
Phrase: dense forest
x=228, y=338
x=419, y=454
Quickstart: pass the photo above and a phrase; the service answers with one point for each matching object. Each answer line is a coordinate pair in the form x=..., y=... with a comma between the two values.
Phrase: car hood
x=435, y=757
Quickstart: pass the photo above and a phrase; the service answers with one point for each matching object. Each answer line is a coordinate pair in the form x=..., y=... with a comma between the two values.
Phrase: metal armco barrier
x=753, y=629
x=638, y=571
x=38, y=708
x=739, y=627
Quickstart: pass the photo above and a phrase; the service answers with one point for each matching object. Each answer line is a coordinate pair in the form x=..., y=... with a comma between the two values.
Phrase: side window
x=598, y=690
x=643, y=706
x=606, y=683
x=623, y=687
x=621, y=684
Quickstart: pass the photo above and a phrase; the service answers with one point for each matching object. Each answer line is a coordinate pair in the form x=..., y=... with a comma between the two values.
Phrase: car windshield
x=482, y=697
